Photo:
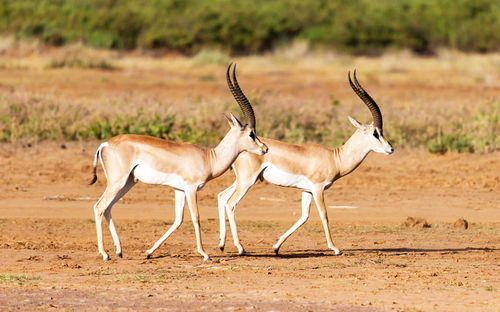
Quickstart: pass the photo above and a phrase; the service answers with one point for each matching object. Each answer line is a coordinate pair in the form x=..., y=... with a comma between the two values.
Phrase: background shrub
x=250, y=26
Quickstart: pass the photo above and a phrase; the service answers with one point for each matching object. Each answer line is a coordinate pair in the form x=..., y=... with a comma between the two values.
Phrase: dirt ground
x=50, y=260
x=48, y=249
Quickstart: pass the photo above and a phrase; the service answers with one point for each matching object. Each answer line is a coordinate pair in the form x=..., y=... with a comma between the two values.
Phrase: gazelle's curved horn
x=240, y=97
x=367, y=99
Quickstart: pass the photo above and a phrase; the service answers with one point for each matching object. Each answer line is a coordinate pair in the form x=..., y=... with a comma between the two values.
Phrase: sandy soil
x=50, y=260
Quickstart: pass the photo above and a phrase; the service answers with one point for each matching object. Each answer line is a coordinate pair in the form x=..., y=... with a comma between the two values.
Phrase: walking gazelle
x=311, y=168
x=127, y=159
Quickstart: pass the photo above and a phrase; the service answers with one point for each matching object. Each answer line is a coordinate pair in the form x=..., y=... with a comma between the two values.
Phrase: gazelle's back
x=161, y=155
x=285, y=157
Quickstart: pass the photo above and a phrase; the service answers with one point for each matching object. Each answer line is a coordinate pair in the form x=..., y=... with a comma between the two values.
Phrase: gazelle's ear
x=228, y=119
x=233, y=121
x=356, y=123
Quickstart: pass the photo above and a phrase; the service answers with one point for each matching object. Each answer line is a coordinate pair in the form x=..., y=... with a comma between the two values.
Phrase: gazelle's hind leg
x=103, y=206
x=107, y=214
x=306, y=204
x=180, y=198
x=320, y=204
x=222, y=199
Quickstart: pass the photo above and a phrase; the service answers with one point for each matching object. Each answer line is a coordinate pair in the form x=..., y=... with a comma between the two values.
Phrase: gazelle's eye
x=252, y=135
x=375, y=134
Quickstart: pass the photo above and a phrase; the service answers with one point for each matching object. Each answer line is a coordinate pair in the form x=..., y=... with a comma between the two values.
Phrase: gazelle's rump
x=96, y=157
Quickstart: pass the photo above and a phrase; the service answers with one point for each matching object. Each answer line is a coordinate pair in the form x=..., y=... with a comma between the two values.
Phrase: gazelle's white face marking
x=247, y=140
x=254, y=146
x=374, y=139
x=385, y=147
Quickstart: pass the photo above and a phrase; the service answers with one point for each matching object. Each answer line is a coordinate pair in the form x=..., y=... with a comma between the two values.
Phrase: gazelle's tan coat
x=311, y=168
x=127, y=159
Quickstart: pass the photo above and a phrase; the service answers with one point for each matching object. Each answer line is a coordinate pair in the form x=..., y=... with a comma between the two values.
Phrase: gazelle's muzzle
x=390, y=151
x=388, y=148
x=263, y=148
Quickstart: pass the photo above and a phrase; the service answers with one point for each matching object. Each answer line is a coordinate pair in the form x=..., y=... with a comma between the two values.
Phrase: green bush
x=250, y=26
x=443, y=143
x=107, y=127
x=37, y=119
x=78, y=61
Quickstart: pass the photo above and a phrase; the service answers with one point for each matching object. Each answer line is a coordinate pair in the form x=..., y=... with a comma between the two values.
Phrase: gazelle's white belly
x=274, y=175
x=146, y=174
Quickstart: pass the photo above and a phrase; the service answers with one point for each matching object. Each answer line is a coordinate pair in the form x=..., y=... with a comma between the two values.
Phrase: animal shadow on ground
x=352, y=252
x=309, y=253
x=403, y=250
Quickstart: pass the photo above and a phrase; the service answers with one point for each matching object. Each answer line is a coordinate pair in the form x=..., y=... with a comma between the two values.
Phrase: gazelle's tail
x=96, y=157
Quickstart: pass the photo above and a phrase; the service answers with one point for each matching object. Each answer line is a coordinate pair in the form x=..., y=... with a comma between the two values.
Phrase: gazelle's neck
x=223, y=155
x=351, y=154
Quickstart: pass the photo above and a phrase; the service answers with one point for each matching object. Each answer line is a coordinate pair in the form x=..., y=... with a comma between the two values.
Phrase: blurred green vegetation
x=251, y=26
x=74, y=60
x=33, y=119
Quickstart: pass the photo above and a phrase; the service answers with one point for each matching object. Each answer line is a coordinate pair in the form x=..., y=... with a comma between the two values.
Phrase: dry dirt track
x=49, y=256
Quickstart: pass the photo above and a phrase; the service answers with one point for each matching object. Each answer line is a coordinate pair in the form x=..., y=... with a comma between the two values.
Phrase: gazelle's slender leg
x=306, y=204
x=195, y=217
x=107, y=213
x=241, y=188
x=103, y=206
x=98, y=225
x=180, y=198
x=222, y=199
x=320, y=204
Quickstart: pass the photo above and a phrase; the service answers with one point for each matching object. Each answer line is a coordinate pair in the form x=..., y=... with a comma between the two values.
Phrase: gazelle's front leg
x=195, y=217
x=306, y=204
x=180, y=197
x=320, y=203
x=222, y=199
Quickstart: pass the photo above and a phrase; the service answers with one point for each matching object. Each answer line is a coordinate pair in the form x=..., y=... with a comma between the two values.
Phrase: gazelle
x=127, y=159
x=311, y=168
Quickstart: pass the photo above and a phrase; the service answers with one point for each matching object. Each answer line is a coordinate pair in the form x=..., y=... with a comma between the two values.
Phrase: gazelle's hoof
x=242, y=252
x=336, y=251
x=206, y=258
x=106, y=258
x=120, y=254
x=221, y=248
x=276, y=249
x=148, y=256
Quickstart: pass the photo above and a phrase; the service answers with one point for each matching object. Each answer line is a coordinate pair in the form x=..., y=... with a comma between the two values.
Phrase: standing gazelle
x=309, y=167
x=127, y=159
